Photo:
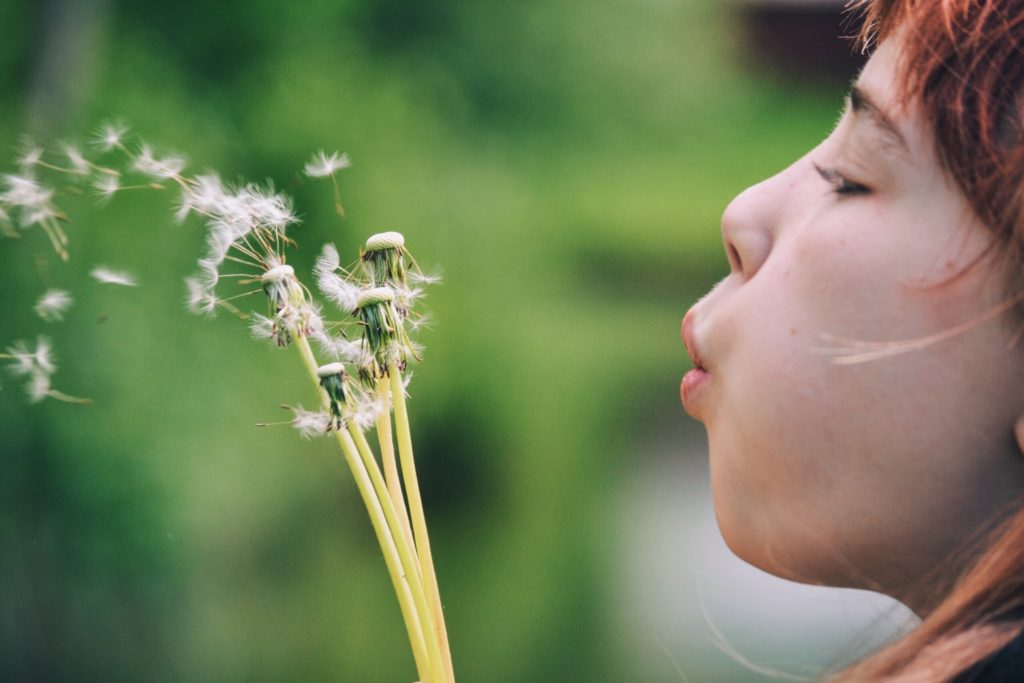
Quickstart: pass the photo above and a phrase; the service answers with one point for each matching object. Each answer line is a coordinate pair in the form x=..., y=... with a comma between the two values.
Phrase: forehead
x=878, y=82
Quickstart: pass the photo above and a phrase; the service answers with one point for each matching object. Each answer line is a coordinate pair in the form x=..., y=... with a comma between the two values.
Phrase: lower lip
x=692, y=383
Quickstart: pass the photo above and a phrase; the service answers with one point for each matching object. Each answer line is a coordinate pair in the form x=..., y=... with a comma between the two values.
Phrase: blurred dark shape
x=400, y=25
x=800, y=38
x=70, y=32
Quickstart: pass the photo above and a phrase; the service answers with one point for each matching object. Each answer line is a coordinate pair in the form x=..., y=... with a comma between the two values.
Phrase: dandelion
x=323, y=164
x=384, y=259
x=290, y=309
x=387, y=263
x=382, y=327
x=53, y=304
x=359, y=376
x=113, y=277
x=332, y=380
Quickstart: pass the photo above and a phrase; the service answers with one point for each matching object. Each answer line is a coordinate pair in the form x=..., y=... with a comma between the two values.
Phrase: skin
x=869, y=474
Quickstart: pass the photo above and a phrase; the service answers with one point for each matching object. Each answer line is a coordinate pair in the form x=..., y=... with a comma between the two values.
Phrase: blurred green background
x=565, y=163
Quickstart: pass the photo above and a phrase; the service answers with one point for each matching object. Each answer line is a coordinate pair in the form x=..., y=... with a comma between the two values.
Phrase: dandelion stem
x=413, y=574
x=419, y=524
x=387, y=456
x=417, y=637
x=67, y=398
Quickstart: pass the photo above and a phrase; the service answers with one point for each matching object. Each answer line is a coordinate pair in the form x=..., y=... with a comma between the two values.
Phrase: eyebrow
x=861, y=103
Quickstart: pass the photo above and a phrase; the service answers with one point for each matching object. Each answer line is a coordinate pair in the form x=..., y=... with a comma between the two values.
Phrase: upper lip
x=690, y=340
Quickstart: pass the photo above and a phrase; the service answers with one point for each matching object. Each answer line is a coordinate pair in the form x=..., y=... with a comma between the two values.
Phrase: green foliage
x=565, y=164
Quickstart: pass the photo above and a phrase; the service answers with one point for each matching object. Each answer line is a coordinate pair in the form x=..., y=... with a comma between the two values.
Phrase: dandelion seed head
x=53, y=304
x=330, y=369
x=385, y=240
x=113, y=277
x=323, y=164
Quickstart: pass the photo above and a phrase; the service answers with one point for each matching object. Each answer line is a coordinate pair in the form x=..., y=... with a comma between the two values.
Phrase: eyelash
x=841, y=185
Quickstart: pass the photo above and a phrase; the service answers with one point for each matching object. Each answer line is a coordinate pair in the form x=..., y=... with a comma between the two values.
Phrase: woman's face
x=864, y=474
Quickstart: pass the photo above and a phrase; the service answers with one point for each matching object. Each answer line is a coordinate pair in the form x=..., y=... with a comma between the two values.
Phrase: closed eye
x=841, y=185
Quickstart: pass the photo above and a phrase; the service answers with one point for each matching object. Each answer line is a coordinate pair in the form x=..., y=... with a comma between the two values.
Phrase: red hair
x=962, y=64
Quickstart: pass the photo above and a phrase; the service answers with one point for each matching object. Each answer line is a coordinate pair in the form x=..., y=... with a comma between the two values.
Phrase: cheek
x=775, y=434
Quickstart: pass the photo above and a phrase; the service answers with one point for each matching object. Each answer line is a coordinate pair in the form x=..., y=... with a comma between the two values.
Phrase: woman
x=860, y=372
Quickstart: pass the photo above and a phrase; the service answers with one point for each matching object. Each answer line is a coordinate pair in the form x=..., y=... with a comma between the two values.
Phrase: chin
x=760, y=541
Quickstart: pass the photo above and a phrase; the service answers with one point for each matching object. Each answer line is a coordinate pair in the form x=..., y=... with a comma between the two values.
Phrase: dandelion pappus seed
x=323, y=164
x=109, y=136
x=52, y=305
x=107, y=276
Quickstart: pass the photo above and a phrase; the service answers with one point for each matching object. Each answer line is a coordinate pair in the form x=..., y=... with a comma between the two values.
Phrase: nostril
x=734, y=257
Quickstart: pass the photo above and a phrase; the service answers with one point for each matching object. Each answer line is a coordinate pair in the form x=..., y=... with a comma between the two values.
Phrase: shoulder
x=1005, y=665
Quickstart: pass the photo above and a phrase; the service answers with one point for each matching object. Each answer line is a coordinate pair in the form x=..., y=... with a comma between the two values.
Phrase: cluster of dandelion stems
x=382, y=308
x=359, y=375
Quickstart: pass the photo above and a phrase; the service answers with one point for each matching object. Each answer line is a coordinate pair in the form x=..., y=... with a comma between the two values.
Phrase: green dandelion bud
x=383, y=332
x=287, y=303
x=384, y=259
x=332, y=379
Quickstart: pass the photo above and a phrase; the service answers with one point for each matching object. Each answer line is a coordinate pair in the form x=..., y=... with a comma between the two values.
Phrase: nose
x=749, y=225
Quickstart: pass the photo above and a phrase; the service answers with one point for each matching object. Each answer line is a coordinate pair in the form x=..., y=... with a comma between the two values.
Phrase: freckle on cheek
x=792, y=332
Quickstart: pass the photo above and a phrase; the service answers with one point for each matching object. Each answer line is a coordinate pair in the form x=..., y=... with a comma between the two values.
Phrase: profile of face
x=868, y=473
